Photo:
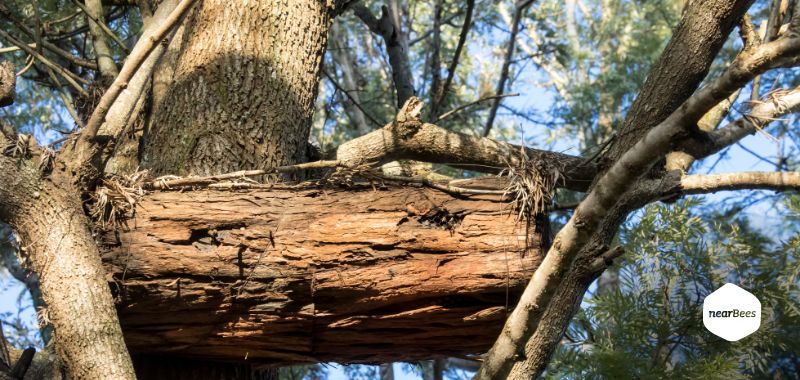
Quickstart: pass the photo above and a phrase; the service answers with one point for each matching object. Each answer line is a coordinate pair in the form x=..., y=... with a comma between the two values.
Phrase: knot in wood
x=407, y=122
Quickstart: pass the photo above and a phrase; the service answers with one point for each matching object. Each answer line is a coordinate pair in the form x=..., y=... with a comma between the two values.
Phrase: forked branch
x=506, y=359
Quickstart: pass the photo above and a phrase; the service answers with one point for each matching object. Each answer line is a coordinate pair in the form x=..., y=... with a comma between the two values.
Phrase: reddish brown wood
x=360, y=275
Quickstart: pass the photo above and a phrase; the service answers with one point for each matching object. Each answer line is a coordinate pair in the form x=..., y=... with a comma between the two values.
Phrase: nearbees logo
x=731, y=313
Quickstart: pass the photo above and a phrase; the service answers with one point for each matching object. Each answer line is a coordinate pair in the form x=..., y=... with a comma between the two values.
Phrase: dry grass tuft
x=20, y=148
x=116, y=199
x=531, y=183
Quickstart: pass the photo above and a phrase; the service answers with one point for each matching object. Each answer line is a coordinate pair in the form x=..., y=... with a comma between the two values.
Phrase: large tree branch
x=409, y=138
x=54, y=235
x=292, y=274
x=507, y=359
x=701, y=184
x=703, y=29
x=709, y=122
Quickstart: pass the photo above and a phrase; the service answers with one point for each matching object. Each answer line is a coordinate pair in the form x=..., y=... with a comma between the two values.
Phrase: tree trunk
x=54, y=237
x=285, y=276
x=243, y=88
x=686, y=59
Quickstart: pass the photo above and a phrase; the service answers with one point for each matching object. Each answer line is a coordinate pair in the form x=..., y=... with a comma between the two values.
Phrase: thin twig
x=69, y=76
x=207, y=181
x=67, y=102
x=350, y=97
x=12, y=49
x=31, y=60
x=462, y=39
x=519, y=9
x=462, y=107
x=440, y=186
x=6, y=13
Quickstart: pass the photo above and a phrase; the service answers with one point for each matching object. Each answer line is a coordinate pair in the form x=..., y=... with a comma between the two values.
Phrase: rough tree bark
x=48, y=216
x=243, y=88
x=303, y=275
x=684, y=63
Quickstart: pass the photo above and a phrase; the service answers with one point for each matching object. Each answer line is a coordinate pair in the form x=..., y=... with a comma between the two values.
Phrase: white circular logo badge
x=731, y=313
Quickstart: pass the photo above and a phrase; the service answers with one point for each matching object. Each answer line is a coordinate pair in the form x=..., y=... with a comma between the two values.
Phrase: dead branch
x=173, y=182
x=349, y=262
x=443, y=186
x=409, y=138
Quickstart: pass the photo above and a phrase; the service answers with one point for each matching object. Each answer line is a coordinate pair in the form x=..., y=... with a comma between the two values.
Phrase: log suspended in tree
x=278, y=276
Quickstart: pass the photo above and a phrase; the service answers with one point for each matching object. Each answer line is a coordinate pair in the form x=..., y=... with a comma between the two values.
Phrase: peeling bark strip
x=8, y=82
x=288, y=276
